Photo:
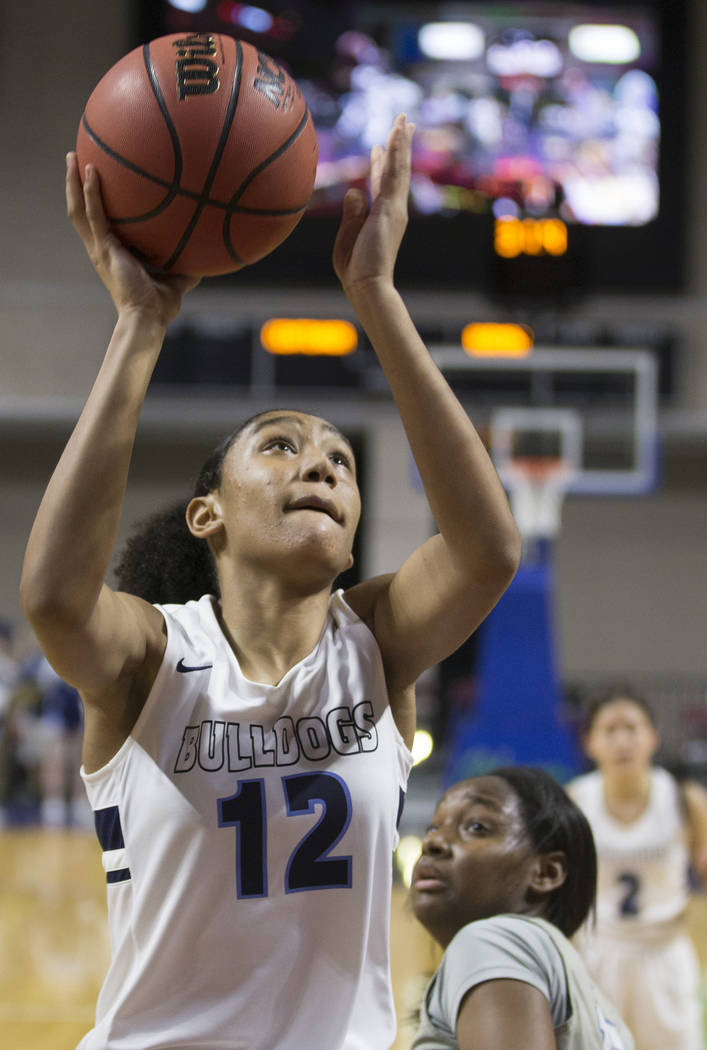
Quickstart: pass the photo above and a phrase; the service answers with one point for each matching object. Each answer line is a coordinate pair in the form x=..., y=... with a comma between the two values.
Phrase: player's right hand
x=131, y=287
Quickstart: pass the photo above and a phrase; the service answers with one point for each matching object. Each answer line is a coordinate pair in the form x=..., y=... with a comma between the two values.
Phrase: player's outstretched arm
x=91, y=635
x=443, y=591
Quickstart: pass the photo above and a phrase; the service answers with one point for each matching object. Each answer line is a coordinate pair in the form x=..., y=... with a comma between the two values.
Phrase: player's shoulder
x=507, y=930
x=694, y=793
x=193, y=630
x=200, y=616
x=521, y=942
x=584, y=786
x=666, y=788
x=663, y=777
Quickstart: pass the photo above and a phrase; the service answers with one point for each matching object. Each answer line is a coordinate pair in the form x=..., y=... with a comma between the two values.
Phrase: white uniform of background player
x=639, y=951
x=205, y=817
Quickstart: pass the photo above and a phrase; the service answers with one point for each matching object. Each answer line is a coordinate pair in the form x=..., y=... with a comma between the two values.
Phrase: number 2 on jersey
x=629, y=903
x=310, y=866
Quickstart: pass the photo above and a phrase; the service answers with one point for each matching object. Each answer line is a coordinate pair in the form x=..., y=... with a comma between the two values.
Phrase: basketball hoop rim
x=537, y=469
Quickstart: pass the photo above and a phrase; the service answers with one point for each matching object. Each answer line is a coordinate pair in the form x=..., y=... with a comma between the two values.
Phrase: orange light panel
x=497, y=340
x=514, y=237
x=310, y=336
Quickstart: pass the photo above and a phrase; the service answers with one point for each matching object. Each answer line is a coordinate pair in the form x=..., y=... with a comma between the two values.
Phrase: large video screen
x=524, y=110
x=531, y=111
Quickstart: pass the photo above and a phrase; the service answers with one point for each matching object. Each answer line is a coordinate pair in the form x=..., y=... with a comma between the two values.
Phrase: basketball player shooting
x=246, y=747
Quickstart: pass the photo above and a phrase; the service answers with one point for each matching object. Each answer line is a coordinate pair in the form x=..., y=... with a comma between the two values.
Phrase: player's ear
x=204, y=517
x=548, y=872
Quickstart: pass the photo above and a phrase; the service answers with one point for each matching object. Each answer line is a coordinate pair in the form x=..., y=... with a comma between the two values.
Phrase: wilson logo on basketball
x=206, y=151
x=197, y=73
x=270, y=81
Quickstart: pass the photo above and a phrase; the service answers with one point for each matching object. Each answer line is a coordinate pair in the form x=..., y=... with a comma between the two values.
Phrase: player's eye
x=341, y=459
x=280, y=444
x=476, y=827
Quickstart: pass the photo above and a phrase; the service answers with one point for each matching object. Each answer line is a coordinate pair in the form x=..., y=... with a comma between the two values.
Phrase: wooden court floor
x=54, y=942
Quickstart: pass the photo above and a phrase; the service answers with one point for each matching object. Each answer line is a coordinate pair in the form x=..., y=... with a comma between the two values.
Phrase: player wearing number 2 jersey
x=648, y=829
x=246, y=733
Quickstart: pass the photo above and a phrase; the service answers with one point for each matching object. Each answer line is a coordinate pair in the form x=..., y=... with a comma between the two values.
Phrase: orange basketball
x=206, y=152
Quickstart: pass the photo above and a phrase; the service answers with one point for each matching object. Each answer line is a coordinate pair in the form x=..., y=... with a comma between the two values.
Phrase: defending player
x=507, y=874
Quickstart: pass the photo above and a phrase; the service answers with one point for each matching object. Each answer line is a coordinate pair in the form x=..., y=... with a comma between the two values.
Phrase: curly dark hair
x=162, y=561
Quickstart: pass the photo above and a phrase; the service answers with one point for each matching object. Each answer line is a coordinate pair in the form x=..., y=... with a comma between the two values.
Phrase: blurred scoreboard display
x=549, y=139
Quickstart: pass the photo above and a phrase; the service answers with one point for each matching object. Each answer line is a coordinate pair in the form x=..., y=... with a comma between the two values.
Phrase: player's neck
x=627, y=794
x=271, y=631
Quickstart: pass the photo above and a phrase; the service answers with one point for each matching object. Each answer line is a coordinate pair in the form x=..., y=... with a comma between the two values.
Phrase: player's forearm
x=695, y=798
x=72, y=539
x=465, y=495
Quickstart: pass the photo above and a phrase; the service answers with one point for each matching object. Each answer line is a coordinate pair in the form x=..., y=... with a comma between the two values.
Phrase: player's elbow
x=502, y=558
x=512, y=548
x=505, y=568
x=45, y=602
x=34, y=599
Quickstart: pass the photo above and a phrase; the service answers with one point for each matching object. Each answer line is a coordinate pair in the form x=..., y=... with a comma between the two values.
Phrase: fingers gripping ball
x=205, y=149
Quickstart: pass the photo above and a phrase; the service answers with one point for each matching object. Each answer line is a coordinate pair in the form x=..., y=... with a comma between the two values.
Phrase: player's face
x=289, y=494
x=622, y=737
x=476, y=858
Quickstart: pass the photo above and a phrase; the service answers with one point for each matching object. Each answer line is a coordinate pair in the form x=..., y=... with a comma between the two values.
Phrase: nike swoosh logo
x=185, y=668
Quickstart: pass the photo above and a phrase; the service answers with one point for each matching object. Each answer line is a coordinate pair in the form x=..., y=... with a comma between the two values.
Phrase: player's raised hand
x=130, y=286
x=368, y=240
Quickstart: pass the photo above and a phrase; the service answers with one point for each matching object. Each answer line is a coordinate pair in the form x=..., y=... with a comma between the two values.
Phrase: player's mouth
x=316, y=503
x=426, y=879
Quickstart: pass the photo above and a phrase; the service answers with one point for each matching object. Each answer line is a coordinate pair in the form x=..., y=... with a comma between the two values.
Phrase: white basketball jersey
x=643, y=866
x=248, y=833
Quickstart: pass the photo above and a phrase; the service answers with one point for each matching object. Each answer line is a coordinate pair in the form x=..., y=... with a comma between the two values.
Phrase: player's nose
x=316, y=466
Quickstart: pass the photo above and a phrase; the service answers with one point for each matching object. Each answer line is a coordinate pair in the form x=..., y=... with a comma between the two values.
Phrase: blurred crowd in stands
x=40, y=740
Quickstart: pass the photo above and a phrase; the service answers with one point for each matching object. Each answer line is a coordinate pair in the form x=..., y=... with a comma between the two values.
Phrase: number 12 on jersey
x=310, y=865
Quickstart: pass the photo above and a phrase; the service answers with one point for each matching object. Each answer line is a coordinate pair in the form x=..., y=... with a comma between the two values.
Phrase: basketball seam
x=269, y=160
x=200, y=199
x=232, y=205
x=173, y=190
x=178, y=191
x=216, y=160
x=176, y=145
x=172, y=186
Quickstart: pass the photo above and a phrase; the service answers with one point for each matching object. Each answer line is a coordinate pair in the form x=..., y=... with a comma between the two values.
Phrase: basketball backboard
x=595, y=409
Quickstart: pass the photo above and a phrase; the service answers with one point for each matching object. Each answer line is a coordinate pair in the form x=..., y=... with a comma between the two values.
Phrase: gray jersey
x=515, y=947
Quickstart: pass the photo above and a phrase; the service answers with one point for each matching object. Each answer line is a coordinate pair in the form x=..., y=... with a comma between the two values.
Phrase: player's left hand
x=368, y=240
